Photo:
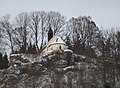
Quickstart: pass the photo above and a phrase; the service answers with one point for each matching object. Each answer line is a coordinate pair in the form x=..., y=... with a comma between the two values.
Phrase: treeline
x=30, y=30
x=27, y=28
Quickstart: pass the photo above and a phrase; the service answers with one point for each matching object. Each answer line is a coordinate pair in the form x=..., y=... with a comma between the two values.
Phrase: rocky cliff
x=56, y=70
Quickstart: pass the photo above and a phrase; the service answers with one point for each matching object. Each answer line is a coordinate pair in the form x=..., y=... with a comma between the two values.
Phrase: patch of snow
x=68, y=50
x=93, y=47
x=97, y=51
x=83, y=56
x=18, y=61
x=15, y=65
x=15, y=54
x=68, y=67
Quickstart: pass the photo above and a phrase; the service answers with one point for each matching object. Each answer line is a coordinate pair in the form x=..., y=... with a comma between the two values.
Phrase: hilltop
x=38, y=42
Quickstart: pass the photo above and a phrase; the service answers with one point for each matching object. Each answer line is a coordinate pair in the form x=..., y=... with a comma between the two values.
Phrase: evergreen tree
x=30, y=50
x=5, y=61
x=0, y=57
x=1, y=61
x=68, y=42
x=34, y=49
x=22, y=49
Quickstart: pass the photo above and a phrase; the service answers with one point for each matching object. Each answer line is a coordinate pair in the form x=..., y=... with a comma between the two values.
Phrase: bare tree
x=22, y=30
x=43, y=26
x=7, y=30
x=35, y=25
x=83, y=34
x=56, y=21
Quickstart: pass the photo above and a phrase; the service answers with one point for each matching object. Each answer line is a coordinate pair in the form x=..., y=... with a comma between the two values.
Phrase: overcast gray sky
x=103, y=12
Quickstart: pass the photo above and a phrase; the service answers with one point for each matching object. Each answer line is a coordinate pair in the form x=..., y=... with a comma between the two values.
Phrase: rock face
x=56, y=70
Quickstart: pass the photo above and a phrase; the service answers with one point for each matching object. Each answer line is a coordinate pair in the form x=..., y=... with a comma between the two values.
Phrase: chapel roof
x=56, y=40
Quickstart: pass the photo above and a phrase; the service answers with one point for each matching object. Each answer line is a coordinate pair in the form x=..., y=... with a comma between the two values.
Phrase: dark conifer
x=1, y=61
x=34, y=49
x=5, y=61
x=22, y=49
x=29, y=50
x=0, y=57
x=50, y=33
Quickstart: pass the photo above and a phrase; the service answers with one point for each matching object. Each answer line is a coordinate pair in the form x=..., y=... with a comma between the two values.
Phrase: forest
x=27, y=33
